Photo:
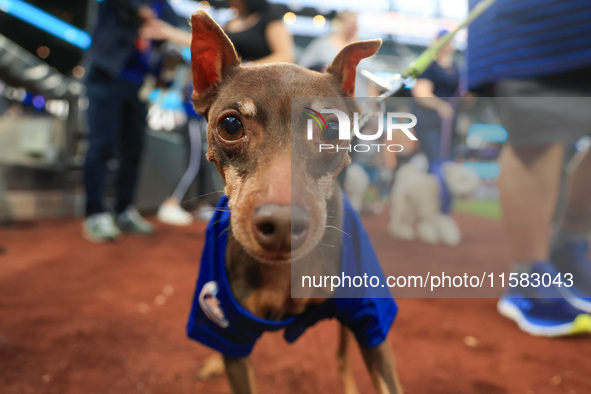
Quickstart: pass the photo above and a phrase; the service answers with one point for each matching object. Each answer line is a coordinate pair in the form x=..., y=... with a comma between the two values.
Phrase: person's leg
x=5, y=216
x=568, y=164
x=104, y=117
x=195, y=127
x=99, y=225
x=539, y=125
x=577, y=219
x=133, y=124
x=430, y=140
x=570, y=249
x=528, y=189
x=132, y=141
x=171, y=211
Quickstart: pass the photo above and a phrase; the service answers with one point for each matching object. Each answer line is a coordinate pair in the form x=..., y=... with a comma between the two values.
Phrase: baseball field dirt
x=76, y=317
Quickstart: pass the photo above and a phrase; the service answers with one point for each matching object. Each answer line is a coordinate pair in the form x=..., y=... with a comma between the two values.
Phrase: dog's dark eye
x=332, y=133
x=230, y=128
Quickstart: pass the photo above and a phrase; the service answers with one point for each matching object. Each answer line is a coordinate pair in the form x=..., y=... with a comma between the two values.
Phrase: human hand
x=155, y=29
x=145, y=13
x=445, y=111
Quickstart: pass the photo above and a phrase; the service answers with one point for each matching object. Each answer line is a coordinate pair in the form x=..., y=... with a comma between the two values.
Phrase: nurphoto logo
x=338, y=128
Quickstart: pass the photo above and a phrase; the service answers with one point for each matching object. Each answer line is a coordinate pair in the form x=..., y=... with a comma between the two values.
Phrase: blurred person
x=171, y=211
x=535, y=56
x=257, y=32
x=171, y=109
x=259, y=36
x=118, y=62
x=431, y=92
x=319, y=54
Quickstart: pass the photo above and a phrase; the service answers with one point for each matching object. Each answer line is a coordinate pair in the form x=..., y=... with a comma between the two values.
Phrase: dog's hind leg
x=401, y=216
x=212, y=367
x=402, y=220
x=381, y=366
x=426, y=199
x=344, y=361
x=240, y=375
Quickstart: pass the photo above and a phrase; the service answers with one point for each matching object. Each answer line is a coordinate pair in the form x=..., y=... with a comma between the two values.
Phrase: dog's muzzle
x=280, y=228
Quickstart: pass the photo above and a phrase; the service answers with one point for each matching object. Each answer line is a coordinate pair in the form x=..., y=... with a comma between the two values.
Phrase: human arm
x=424, y=96
x=133, y=9
x=280, y=43
x=157, y=29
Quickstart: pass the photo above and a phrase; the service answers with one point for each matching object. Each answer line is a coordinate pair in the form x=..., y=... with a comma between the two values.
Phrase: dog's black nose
x=280, y=228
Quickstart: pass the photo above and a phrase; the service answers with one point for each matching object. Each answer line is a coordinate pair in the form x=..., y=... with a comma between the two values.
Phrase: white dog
x=420, y=202
x=356, y=184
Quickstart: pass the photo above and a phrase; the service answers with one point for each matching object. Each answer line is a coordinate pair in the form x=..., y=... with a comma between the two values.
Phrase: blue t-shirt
x=528, y=39
x=445, y=80
x=143, y=61
x=445, y=85
x=217, y=320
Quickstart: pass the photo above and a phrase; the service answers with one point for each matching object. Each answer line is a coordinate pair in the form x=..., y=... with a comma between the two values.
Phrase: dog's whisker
x=216, y=222
x=331, y=246
x=201, y=195
x=214, y=209
x=226, y=230
x=338, y=229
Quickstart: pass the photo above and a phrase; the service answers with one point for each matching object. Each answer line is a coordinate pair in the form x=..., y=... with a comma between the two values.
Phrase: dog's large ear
x=345, y=64
x=212, y=55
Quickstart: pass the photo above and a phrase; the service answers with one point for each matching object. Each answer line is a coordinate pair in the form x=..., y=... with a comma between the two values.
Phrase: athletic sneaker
x=130, y=221
x=205, y=212
x=542, y=311
x=174, y=214
x=100, y=228
x=573, y=258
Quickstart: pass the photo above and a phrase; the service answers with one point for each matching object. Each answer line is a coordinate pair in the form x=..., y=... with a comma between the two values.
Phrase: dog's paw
x=212, y=367
x=405, y=233
x=428, y=232
x=449, y=231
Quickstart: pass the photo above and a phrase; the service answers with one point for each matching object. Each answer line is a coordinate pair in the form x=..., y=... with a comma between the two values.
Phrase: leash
x=418, y=67
x=409, y=76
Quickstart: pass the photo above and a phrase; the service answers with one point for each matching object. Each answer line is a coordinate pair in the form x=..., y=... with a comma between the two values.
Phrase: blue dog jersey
x=217, y=320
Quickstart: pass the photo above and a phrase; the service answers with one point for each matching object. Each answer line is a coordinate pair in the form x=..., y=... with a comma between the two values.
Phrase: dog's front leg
x=448, y=230
x=213, y=366
x=344, y=361
x=240, y=375
x=380, y=364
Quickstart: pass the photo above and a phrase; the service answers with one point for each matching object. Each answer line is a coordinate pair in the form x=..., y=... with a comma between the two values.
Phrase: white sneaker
x=205, y=212
x=174, y=214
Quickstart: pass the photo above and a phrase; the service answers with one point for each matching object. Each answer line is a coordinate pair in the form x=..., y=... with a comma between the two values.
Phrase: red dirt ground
x=82, y=318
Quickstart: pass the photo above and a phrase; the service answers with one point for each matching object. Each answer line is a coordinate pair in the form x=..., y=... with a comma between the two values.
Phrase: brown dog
x=251, y=143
